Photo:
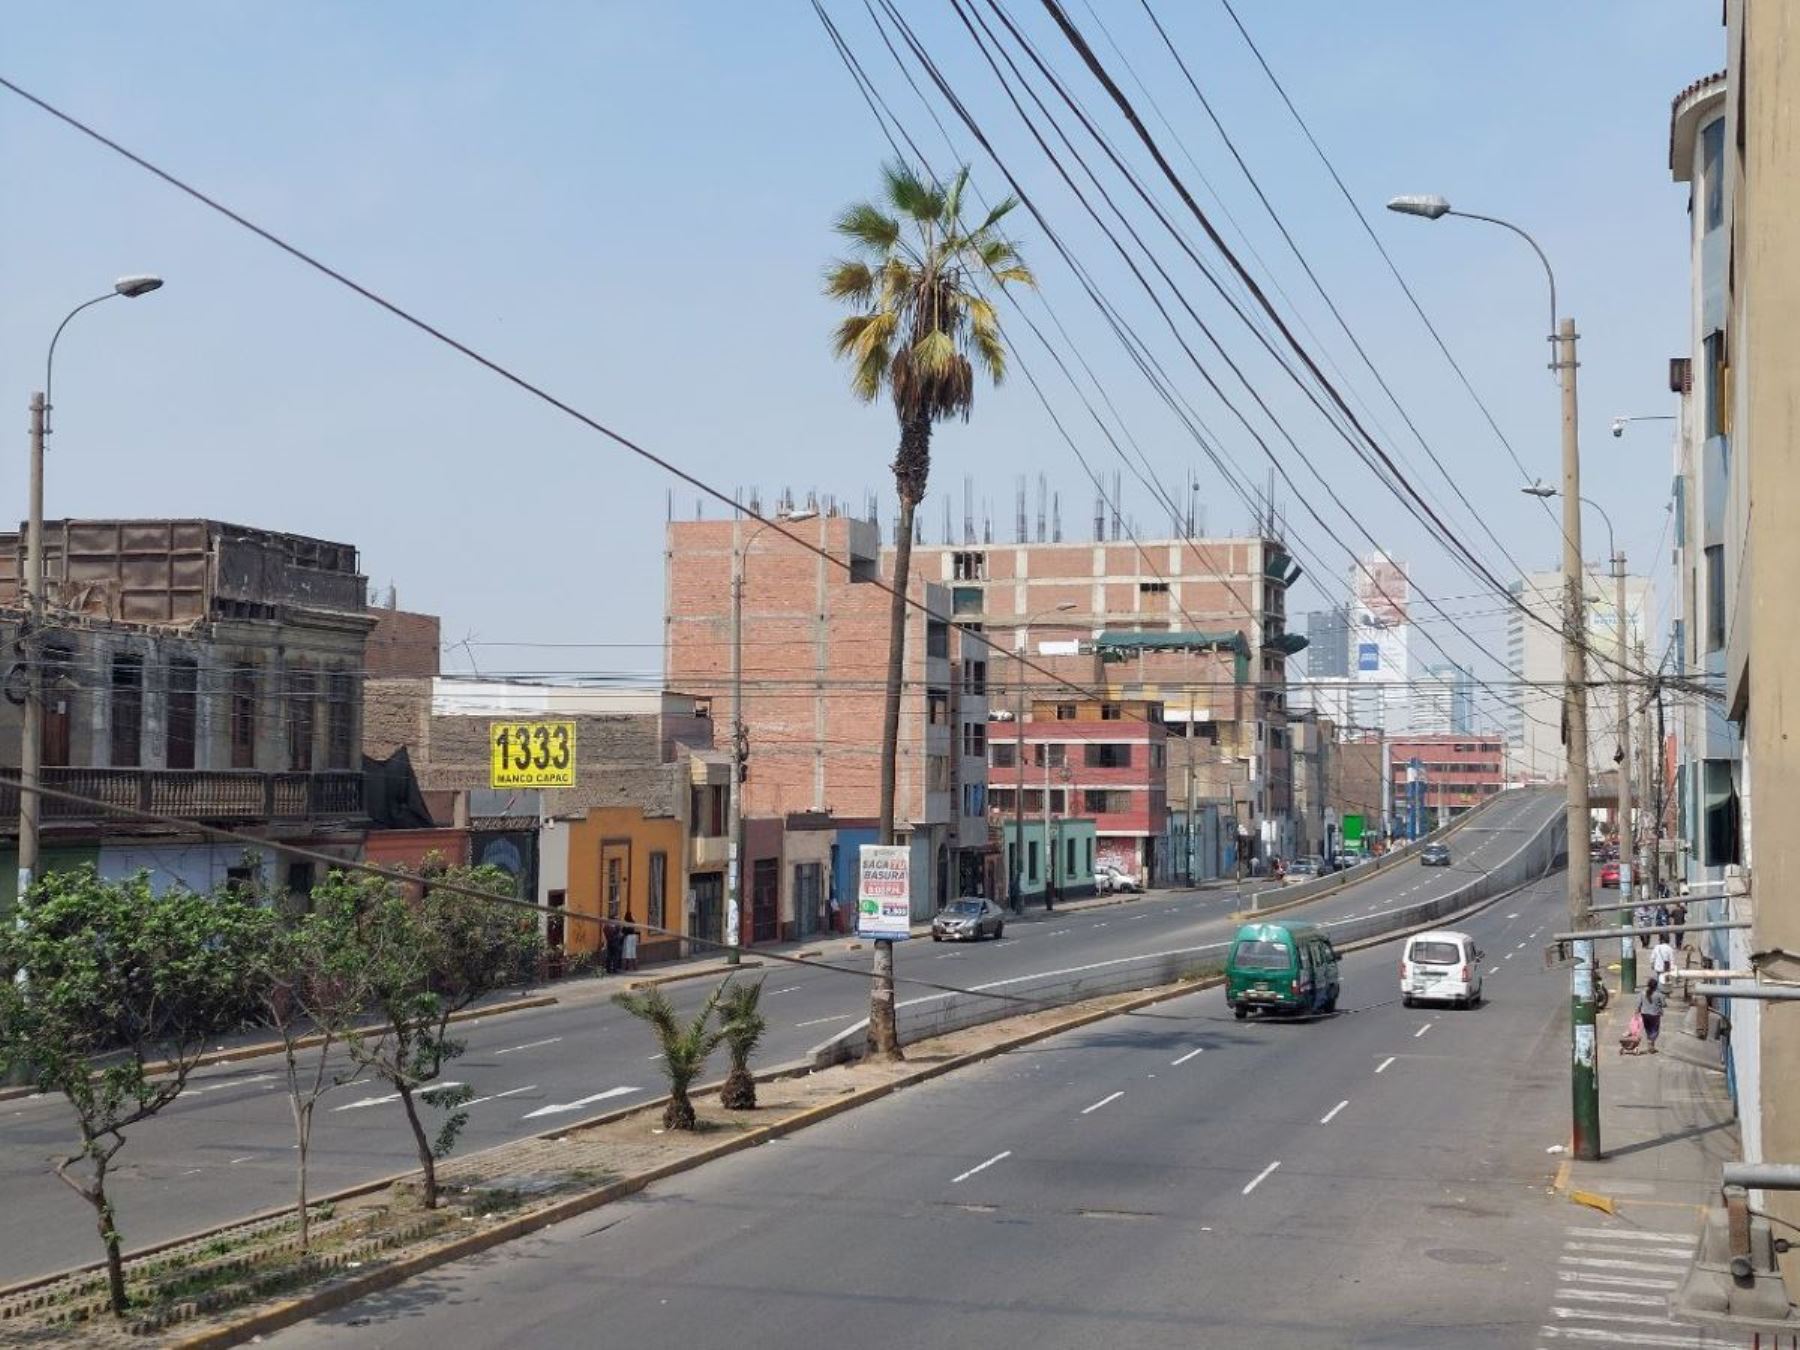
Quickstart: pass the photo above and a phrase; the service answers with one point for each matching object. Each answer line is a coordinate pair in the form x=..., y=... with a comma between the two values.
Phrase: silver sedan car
x=968, y=920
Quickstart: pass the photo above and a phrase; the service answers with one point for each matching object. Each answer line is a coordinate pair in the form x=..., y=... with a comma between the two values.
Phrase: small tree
x=684, y=1048
x=743, y=1025
x=313, y=981
x=428, y=958
x=98, y=981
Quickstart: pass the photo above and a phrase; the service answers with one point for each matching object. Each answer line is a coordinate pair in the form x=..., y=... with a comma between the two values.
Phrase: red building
x=1101, y=760
x=1459, y=771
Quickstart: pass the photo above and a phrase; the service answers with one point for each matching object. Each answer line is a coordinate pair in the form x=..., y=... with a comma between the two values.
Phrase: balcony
x=196, y=794
x=708, y=852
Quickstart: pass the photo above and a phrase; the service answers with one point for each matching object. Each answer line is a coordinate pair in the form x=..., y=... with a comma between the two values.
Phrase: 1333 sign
x=531, y=754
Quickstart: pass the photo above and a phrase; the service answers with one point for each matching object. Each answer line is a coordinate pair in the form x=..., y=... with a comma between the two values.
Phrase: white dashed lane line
x=1384, y=1063
x=1261, y=1176
x=1327, y=1117
x=1177, y=1063
x=1421, y=1031
x=981, y=1167
x=1089, y=1110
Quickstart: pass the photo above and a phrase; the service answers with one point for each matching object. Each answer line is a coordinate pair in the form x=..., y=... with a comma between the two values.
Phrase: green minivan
x=1284, y=968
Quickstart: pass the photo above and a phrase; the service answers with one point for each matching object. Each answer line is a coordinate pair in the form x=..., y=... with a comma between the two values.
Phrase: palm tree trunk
x=912, y=465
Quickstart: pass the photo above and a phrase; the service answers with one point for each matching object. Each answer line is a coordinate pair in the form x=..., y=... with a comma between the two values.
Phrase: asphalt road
x=1169, y=1178
x=225, y=1148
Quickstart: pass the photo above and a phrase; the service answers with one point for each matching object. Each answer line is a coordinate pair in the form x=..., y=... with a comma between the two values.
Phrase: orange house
x=629, y=866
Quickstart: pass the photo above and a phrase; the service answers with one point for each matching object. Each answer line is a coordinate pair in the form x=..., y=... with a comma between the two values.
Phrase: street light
x=31, y=742
x=734, y=928
x=1583, y=1044
x=1016, y=873
x=1618, y=423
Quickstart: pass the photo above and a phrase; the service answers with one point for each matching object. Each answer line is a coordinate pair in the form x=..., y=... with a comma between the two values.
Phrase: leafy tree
x=312, y=977
x=100, y=980
x=919, y=329
x=742, y=1022
x=685, y=1048
x=426, y=959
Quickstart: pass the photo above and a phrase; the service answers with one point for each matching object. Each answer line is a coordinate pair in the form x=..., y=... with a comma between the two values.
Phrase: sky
x=630, y=204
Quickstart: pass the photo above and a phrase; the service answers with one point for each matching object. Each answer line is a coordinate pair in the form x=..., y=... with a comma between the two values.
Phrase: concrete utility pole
x=1018, y=852
x=1049, y=847
x=1584, y=1062
x=31, y=744
x=1627, y=853
x=1191, y=806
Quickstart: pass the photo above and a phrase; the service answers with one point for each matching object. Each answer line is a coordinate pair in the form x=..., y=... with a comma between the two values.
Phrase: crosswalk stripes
x=1613, y=1288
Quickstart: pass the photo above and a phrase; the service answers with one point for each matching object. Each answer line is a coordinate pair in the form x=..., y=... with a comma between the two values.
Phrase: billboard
x=1381, y=591
x=1368, y=656
x=884, y=892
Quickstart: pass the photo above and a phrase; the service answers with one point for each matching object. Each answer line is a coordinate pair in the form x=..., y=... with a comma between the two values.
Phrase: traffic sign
x=531, y=754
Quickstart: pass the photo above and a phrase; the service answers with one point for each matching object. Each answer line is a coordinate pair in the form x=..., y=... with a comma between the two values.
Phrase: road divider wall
x=940, y=1013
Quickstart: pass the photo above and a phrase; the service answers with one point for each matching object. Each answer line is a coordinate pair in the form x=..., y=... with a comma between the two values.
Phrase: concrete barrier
x=940, y=1013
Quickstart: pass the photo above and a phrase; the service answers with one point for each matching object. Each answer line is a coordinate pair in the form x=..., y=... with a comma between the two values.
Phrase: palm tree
x=684, y=1048
x=743, y=1025
x=920, y=327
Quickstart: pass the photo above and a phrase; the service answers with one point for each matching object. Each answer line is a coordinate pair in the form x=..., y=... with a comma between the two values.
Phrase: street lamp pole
x=1584, y=1059
x=31, y=744
x=734, y=924
x=1016, y=873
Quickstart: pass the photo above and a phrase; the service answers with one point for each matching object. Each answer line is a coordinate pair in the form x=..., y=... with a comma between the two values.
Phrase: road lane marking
x=1326, y=1118
x=1261, y=1177
x=1520, y=947
x=1606, y=1263
x=981, y=1167
x=1677, y=1253
x=560, y=1107
x=394, y=1096
x=1087, y=1110
x=1493, y=970
x=821, y=1021
x=1421, y=1031
x=1177, y=1063
x=1616, y=1281
x=496, y=1096
x=1647, y=1300
x=1633, y=1235
x=790, y=989
x=529, y=1045
x=1384, y=1063
x=235, y=1161
x=1509, y=956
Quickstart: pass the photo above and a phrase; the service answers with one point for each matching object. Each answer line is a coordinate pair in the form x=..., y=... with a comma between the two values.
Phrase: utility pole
x=1191, y=805
x=31, y=745
x=734, y=927
x=1627, y=851
x=1018, y=849
x=1049, y=847
x=1584, y=1059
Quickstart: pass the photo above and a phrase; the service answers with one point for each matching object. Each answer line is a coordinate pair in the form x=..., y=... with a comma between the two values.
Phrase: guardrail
x=1266, y=902
x=938, y=1014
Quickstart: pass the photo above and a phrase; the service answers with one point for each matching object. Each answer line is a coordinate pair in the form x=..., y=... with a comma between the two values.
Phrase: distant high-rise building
x=1328, y=643
x=1381, y=634
x=1443, y=702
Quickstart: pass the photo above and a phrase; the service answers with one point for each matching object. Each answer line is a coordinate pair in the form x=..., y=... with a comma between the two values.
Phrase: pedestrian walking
x=1678, y=918
x=628, y=947
x=1650, y=1007
x=615, y=946
x=1662, y=958
x=1662, y=916
x=833, y=912
x=1642, y=916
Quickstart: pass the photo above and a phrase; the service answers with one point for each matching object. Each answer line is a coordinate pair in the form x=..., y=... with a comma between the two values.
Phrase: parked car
x=1609, y=876
x=1434, y=855
x=1305, y=869
x=1278, y=968
x=968, y=920
x=1441, y=966
x=1109, y=880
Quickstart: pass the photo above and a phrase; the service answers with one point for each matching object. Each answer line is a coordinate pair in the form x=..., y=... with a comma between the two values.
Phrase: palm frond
x=853, y=281
x=952, y=207
x=1019, y=275
x=992, y=352
x=868, y=228
x=1001, y=209
x=910, y=195
x=871, y=374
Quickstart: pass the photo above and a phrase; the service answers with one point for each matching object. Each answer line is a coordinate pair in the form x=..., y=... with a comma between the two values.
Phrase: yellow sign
x=531, y=754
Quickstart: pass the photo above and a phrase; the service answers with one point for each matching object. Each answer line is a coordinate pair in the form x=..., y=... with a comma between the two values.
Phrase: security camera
x=1618, y=426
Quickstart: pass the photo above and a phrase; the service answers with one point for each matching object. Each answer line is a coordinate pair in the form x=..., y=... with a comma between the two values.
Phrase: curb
x=675, y=977
x=262, y=1049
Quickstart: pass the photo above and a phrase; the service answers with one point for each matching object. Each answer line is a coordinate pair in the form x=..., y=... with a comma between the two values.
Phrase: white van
x=1441, y=966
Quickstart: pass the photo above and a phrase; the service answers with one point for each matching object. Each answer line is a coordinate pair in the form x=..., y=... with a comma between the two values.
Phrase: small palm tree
x=919, y=328
x=684, y=1048
x=742, y=1022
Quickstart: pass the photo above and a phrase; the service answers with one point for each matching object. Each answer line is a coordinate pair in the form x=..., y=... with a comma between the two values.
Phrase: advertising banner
x=884, y=892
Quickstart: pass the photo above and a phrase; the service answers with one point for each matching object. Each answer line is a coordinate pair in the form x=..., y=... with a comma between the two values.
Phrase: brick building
x=1458, y=772
x=1097, y=760
x=814, y=667
x=1195, y=626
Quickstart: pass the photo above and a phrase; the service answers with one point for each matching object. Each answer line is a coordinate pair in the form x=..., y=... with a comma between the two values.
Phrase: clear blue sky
x=630, y=202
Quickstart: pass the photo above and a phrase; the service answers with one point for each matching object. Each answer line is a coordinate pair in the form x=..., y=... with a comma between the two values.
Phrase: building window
x=1004, y=754
x=1069, y=866
x=299, y=887
x=974, y=740
x=1107, y=756
x=1150, y=588
x=1718, y=814
x=1712, y=173
x=243, y=718
x=968, y=566
x=1715, y=597
x=340, y=719
x=1055, y=755
x=183, y=709
x=975, y=677
x=658, y=898
x=1031, y=859
x=937, y=640
x=707, y=809
x=127, y=711
x=1065, y=712
x=1090, y=853
x=937, y=773
x=974, y=801
x=1111, y=712
x=615, y=887
x=1156, y=756
x=1718, y=385
x=965, y=599
x=244, y=881
x=937, y=707
x=302, y=705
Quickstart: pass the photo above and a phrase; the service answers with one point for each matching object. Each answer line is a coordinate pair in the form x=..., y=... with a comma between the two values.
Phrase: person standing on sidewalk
x=1678, y=919
x=1650, y=1008
x=1642, y=916
x=629, y=943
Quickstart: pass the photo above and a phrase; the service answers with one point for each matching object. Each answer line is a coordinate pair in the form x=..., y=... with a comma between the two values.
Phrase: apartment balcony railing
x=193, y=794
